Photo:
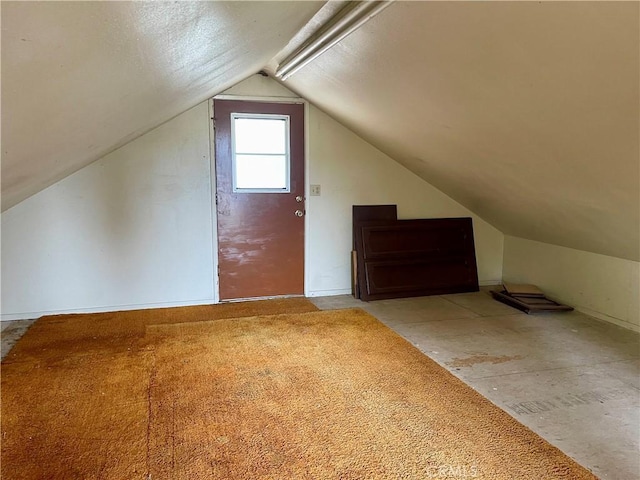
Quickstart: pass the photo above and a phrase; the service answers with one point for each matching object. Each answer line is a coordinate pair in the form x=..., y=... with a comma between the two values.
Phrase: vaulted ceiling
x=525, y=112
x=80, y=79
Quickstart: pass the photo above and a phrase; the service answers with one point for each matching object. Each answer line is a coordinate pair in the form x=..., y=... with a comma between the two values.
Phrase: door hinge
x=216, y=199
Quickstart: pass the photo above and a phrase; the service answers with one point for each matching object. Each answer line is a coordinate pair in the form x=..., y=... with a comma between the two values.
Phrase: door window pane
x=260, y=153
x=260, y=135
x=261, y=172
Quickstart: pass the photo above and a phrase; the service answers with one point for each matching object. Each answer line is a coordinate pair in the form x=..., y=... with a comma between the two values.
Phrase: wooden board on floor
x=530, y=304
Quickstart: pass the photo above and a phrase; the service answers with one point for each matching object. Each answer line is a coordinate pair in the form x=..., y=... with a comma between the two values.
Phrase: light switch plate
x=315, y=190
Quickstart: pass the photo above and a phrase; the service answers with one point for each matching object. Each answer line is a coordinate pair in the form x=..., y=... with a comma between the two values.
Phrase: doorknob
x=299, y=213
x=299, y=199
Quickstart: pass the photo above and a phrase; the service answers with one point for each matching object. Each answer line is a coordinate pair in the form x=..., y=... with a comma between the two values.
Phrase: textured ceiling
x=527, y=113
x=80, y=79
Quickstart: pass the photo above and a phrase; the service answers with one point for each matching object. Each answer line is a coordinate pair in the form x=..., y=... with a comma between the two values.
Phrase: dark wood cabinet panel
x=367, y=213
x=433, y=237
x=364, y=213
x=403, y=258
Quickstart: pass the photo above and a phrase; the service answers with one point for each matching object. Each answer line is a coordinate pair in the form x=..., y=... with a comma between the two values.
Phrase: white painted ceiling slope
x=80, y=79
x=527, y=113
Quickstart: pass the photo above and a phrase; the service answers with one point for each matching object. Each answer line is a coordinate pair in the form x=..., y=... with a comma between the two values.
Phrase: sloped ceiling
x=80, y=79
x=527, y=113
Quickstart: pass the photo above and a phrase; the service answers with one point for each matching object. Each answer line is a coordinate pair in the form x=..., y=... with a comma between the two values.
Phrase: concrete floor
x=10, y=333
x=570, y=378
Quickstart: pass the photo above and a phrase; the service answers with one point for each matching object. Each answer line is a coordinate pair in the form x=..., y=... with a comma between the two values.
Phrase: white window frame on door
x=287, y=153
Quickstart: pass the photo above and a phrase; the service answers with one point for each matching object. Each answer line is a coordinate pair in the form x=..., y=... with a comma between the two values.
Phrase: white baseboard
x=6, y=317
x=606, y=318
x=329, y=293
x=347, y=291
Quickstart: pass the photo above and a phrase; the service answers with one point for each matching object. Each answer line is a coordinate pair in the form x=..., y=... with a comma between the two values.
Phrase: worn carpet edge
x=82, y=333
x=257, y=305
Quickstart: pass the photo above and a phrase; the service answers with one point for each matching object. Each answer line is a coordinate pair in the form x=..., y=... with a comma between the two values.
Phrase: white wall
x=134, y=229
x=604, y=287
x=352, y=172
x=130, y=230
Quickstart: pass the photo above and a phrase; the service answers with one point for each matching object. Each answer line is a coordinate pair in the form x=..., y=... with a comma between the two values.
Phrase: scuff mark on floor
x=481, y=358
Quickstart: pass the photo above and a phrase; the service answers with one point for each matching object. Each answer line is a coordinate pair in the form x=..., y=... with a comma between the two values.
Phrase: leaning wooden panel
x=406, y=258
x=365, y=213
x=404, y=278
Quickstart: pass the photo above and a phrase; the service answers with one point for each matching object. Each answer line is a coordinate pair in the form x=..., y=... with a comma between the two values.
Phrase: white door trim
x=214, y=210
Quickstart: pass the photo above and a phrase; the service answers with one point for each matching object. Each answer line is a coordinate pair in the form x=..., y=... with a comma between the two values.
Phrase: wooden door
x=260, y=198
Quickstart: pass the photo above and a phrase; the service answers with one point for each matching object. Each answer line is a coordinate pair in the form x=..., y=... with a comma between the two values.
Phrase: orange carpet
x=303, y=394
x=55, y=337
x=75, y=390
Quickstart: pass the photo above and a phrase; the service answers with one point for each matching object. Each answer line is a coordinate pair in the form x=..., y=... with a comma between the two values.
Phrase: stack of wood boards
x=527, y=298
x=405, y=258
